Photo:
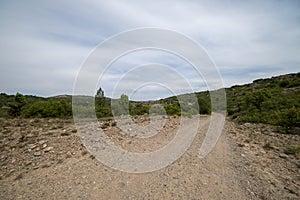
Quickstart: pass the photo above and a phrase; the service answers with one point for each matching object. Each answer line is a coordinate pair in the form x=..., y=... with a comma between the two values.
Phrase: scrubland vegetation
x=273, y=101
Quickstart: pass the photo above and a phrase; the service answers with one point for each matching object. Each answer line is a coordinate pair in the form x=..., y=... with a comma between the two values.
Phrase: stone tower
x=100, y=93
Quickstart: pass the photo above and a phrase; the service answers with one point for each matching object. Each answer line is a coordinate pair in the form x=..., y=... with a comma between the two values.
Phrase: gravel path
x=53, y=164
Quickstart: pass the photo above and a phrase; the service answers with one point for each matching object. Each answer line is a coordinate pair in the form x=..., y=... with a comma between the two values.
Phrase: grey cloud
x=43, y=44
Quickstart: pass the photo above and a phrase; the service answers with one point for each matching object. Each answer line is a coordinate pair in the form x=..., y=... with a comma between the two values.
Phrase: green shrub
x=104, y=111
x=289, y=118
x=284, y=83
x=49, y=108
x=16, y=106
x=138, y=109
x=173, y=109
x=294, y=150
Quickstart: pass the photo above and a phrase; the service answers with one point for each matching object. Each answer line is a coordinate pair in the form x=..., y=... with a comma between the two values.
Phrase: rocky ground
x=45, y=159
x=266, y=167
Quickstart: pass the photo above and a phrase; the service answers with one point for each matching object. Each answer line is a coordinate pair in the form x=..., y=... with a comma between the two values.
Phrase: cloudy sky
x=43, y=44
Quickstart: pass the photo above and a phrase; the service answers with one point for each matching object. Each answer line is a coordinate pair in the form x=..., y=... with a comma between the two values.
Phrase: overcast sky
x=44, y=43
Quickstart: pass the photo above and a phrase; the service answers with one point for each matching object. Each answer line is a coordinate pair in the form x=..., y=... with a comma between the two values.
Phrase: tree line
x=273, y=101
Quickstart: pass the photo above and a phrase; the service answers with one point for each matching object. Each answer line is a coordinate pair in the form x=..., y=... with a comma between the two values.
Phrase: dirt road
x=53, y=164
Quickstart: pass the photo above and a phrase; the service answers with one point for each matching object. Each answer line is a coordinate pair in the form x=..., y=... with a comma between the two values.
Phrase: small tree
x=121, y=106
x=257, y=98
x=16, y=106
x=289, y=118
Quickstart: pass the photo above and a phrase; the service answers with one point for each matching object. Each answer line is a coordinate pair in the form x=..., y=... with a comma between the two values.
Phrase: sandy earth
x=45, y=159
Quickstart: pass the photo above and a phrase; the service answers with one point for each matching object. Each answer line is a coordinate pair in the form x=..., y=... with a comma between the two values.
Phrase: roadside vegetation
x=273, y=101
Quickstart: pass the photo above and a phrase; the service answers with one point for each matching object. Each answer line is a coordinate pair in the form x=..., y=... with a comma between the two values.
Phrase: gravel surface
x=45, y=159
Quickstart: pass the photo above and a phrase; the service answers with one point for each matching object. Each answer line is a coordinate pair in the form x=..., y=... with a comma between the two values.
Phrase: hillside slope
x=273, y=101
